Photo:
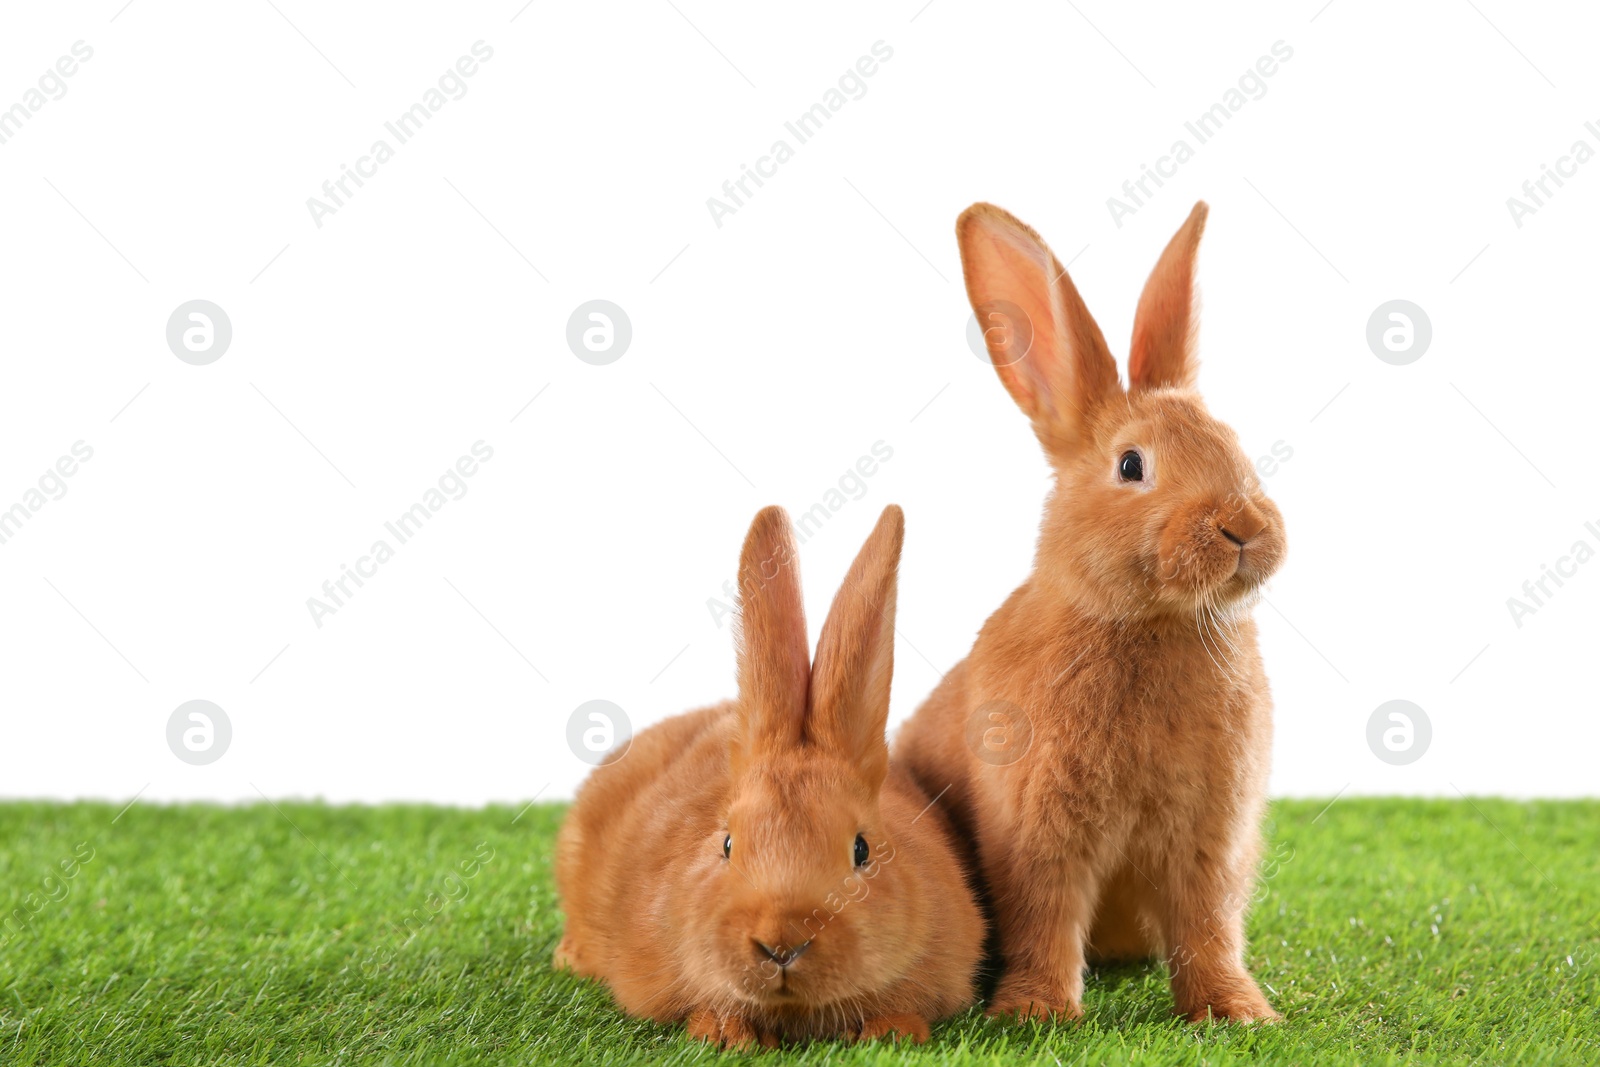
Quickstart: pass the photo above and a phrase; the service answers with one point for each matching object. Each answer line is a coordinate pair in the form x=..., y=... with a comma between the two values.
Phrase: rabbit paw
x=1239, y=1001
x=727, y=1031
x=568, y=957
x=1020, y=1004
x=912, y=1028
x=1235, y=1011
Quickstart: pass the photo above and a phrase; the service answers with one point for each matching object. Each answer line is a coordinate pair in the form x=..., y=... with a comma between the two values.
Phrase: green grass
x=1391, y=931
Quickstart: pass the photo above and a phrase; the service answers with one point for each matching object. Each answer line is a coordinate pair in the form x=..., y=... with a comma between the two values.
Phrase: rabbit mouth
x=1211, y=577
x=1206, y=559
x=784, y=989
x=781, y=994
x=1252, y=568
x=1241, y=586
x=772, y=986
x=1246, y=574
x=789, y=993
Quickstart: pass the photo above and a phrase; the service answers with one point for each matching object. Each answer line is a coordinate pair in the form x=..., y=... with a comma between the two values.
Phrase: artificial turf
x=1388, y=931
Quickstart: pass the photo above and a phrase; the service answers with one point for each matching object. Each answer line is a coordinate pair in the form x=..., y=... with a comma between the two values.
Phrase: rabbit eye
x=862, y=852
x=727, y=846
x=1130, y=468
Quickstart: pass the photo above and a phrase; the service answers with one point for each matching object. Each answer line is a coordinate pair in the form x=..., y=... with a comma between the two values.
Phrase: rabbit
x=759, y=868
x=1104, y=747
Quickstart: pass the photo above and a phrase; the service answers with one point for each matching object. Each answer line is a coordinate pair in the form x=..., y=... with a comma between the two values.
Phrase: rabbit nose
x=782, y=956
x=1243, y=525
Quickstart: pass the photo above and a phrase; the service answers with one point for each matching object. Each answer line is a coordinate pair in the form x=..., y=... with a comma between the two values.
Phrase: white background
x=767, y=356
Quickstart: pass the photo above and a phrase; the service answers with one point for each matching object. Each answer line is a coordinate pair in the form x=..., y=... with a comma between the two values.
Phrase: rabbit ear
x=774, y=662
x=855, y=655
x=1163, y=328
x=1047, y=348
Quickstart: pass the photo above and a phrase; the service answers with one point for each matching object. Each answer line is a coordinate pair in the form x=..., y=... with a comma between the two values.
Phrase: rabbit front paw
x=727, y=1031
x=901, y=1027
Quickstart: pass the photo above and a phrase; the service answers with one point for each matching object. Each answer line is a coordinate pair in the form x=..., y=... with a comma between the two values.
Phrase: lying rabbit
x=759, y=868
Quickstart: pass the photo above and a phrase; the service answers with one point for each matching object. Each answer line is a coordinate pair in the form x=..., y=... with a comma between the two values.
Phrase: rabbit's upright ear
x=1047, y=348
x=1162, y=355
x=855, y=656
x=774, y=663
